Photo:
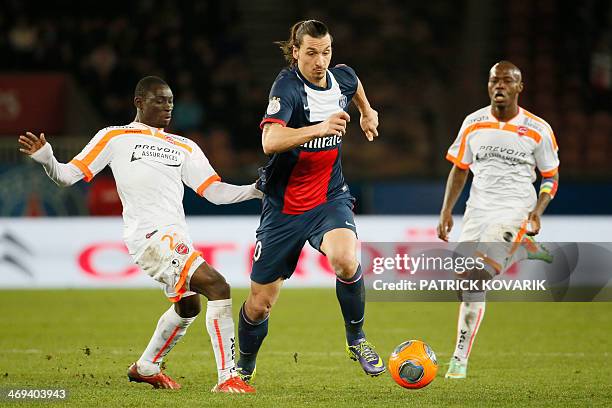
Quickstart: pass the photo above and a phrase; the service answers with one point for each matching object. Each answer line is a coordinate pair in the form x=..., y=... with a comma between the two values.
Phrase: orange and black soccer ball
x=413, y=364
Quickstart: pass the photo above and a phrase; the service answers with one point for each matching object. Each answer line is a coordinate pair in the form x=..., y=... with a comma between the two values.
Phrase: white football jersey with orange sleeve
x=149, y=167
x=503, y=157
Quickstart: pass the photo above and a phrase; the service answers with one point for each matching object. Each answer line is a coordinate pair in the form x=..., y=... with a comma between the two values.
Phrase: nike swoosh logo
x=306, y=107
x=379, y=364
x=348, y=223
x=358, y=321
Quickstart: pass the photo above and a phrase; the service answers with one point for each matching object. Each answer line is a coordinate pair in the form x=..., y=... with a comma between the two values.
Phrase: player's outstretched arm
x=454, y=186
x=224, y=193
x=41, y=152
x=277, y=138
x=369, y=117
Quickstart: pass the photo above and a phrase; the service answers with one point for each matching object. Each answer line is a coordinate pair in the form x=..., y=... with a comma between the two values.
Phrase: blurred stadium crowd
x=565, y=52
x=413, y=58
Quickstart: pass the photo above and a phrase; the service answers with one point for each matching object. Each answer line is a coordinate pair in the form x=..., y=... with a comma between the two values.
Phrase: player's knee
x=217, y=284
x=344, y=264
x=476, y=279
x=188, y=307
x=472, y=296
x=258, y=307
x=210, y=283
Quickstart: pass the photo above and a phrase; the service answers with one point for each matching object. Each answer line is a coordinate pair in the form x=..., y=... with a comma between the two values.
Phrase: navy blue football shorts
x=281, y=237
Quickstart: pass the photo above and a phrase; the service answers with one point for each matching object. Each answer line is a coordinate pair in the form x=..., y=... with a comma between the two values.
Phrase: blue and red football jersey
x=298, y=180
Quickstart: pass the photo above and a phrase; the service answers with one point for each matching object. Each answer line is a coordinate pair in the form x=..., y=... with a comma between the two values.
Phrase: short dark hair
x=146, y=83
x=313, y=28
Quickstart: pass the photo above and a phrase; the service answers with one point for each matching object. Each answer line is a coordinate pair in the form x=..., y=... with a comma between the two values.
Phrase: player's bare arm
x=369, y=117
x=30, y=143
x=454, y=186
x=534, y=216
x=276, y=138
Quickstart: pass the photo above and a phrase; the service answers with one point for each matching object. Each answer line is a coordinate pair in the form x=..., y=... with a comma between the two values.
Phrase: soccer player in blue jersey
x=306, y=197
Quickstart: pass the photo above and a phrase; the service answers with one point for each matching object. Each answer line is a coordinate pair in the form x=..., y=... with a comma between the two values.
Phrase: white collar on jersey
x=141, y=125
x=309, y=84
x=520, y=111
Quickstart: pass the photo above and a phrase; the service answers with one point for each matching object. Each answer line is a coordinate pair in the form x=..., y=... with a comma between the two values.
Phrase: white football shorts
x=498, y=232
x=168, y=256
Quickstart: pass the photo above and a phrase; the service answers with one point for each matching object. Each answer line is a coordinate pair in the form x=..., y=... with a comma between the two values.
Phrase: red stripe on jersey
x=309, y=181
x=272, y=120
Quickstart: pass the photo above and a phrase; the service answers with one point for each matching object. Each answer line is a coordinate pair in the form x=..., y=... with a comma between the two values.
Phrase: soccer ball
x=413, y=364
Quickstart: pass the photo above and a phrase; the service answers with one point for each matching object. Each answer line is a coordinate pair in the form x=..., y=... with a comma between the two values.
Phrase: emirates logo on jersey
x=169, y=139
x=522, y=130
x=323, y=142
x=182, y=249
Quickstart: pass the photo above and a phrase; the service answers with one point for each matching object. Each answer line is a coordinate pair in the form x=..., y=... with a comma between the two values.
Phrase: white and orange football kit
x=503, y=157
x=150, y=166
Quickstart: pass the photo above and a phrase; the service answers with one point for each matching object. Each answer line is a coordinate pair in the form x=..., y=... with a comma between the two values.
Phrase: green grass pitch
x=526, y=354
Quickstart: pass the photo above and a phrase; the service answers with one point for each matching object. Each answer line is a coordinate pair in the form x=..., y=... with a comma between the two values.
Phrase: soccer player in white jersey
x=502, y=144
x=150, y=167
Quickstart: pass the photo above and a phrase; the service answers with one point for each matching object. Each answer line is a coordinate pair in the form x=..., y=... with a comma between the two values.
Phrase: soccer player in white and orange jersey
x=502, y=144
x=150, y=167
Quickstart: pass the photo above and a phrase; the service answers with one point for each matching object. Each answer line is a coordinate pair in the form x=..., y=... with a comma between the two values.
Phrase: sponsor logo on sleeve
x=528, y=122
x=274, y=105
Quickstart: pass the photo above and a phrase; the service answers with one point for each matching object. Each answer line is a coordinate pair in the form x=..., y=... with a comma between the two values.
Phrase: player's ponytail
x=313, y=28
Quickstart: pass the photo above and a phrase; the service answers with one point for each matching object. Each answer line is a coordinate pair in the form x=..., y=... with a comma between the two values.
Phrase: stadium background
x=69, y=68
x=69, y=71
